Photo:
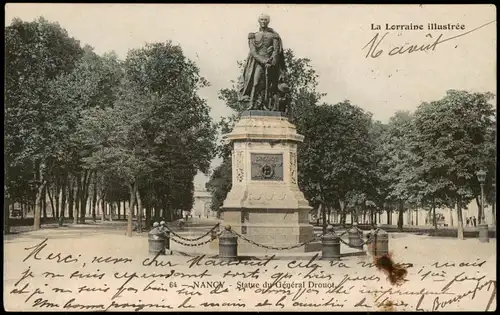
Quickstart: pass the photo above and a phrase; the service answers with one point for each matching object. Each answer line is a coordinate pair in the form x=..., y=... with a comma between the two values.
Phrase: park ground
x=109, y=240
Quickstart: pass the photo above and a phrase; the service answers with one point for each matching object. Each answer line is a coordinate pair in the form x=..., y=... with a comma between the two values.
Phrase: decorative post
x=483, y=226
x=381, y=243
x=330, y=249
x=228, y=245
x=355, y=240
x=156, y=240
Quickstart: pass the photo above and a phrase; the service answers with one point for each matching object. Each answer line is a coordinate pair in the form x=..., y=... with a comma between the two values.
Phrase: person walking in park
x=467, y=220
x=475, y=221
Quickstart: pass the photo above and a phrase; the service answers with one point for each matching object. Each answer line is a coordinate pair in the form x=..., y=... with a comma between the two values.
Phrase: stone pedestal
x=265, y=204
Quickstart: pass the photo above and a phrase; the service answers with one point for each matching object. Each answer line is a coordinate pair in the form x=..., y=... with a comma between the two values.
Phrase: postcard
x=249, y=157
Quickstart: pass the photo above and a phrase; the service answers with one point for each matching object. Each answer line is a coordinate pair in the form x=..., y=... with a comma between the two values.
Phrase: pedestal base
x=265, y=204
x=272, y=230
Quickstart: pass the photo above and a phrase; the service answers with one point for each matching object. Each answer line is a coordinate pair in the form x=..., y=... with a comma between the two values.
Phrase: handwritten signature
x=374, y=51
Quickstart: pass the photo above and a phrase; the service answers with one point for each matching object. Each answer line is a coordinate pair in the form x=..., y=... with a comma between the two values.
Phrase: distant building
x=202, y=202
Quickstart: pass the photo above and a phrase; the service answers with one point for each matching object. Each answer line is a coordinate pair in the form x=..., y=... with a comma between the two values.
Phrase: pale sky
x=332, y=36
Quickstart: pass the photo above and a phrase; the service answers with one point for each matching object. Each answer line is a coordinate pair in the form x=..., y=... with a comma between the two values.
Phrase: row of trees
x=86, y=129
x=350, y=163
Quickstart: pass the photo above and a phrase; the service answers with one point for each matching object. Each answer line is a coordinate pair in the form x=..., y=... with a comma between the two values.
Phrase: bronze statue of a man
x=263, y=82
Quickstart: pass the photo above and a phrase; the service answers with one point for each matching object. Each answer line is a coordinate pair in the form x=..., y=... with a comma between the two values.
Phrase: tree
x=158, y=125
x=93, y=83
x=379, y=184
x=336, y=156
x=453, y=141
x=219, y=185
x=398, y=164
x=36, y=54
x=116, y=136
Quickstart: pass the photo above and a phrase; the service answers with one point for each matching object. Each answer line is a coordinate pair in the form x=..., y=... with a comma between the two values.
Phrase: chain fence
x=370, y=239
x=215, y=235
x=197, y=244
x=192, y=239
x=273, y=247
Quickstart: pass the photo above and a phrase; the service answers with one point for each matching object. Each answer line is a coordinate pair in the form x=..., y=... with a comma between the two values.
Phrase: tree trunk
x=94, y=200
x=389, y=215
x=460, y=228
x=139, y=209
x=356, y=212
x=450, y=212
x=119, y=210
x=77, y=198
x=130, y=209
x=38, y=201
x=54, y=215
x=156, y=213
x=111, y=211
x=87, y=196
x=323, y=217
x=148, y=217
x=103, y=209
x=57, y=195
x=63, y=196
x=44, y=202
x=82, y=196
x=416, y=217
x=71, y=198
x=342, y=211
x=434, y=218
x=400, y=215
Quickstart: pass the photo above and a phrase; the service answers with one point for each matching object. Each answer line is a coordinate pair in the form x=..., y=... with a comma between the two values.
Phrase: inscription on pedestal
x=266, y=166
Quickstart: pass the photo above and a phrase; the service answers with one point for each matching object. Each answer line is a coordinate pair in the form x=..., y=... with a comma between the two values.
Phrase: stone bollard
x=483, y=233
x=156, y=240
x=381, y=243
x=330, y=249
x=355, y=240
x=228, y=245
x=371, y=238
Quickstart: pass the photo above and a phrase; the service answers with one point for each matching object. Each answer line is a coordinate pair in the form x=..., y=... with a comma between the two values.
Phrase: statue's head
x=264, y=20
